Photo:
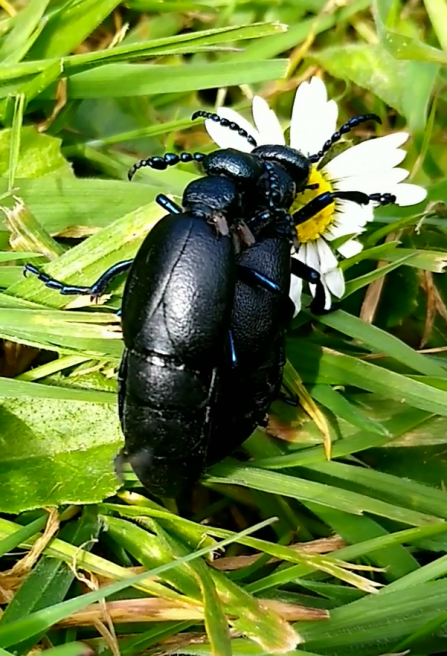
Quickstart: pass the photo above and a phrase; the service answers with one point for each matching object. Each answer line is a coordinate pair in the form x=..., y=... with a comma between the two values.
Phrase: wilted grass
x=346, y=556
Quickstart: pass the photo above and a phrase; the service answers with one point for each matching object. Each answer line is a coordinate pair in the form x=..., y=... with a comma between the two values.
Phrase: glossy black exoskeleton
x=175, y=326
x=176, y=319
x=203, y=357
x=261, y=314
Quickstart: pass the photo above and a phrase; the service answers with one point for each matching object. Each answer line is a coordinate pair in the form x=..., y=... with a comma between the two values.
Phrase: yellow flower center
x=315, y=227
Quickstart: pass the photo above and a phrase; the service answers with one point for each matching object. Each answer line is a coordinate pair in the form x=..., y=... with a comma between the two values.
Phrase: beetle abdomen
x=164, y=411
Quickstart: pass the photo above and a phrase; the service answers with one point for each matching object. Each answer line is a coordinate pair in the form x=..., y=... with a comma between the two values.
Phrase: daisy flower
x=370, y=167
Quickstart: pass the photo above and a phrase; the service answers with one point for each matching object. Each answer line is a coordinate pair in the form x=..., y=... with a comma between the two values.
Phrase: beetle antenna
x=347, y=127
x=226, y=123
x=162, y=163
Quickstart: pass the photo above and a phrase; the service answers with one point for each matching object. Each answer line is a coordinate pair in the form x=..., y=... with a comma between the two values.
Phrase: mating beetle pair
x=205, y=308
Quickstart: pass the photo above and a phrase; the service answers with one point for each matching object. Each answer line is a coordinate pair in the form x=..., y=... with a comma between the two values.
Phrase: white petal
x=296, y=289
x=337, y=230
x=342, y=230
x=409, y=194
x=350, y=248
x=326, y=256
x=375, y=183
x=309, y=253
x=313, y=117
x=352, y=216
x=374, y=155
x=226, y=138
x=327, y=294
x=267, y=123
x=335, y=282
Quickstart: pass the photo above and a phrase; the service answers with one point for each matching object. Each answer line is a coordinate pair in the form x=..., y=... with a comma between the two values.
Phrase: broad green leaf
x=62, y=203
x=404, y=47
x=19, y=389
x=39, y=155
x=373, y=68
x=64, y=455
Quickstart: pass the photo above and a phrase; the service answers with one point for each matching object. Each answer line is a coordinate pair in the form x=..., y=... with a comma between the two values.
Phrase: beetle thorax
x=294, y=162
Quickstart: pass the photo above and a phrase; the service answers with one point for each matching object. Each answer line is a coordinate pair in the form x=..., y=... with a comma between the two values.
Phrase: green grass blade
x=380, y=341
x=15, y=138
x=306, y=490
x=318, y=364
x=22, y=534
x=41, y=620
x=126, y=80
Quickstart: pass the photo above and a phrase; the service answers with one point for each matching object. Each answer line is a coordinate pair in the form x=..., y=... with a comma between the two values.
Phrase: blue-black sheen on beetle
x=261, y=315
x=260, y=318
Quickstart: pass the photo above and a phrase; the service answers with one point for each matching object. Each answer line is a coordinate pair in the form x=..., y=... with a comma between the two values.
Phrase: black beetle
x=260, y=316
x=176, y=315
x=180, y=375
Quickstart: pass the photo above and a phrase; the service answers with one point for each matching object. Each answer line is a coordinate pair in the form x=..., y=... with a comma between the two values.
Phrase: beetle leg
x=383, y=199
x=168, y=204
x=256, y=279
x=232, y=350
x=322, y=201
x=313, y=277
x=96, y=289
